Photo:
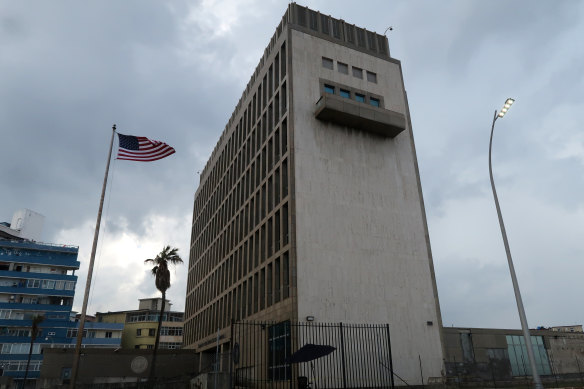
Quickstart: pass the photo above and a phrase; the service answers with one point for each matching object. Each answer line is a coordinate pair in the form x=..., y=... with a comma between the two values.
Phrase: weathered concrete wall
x=362, y=253
x=486, y=357
x=100, y=365
x=566, y=351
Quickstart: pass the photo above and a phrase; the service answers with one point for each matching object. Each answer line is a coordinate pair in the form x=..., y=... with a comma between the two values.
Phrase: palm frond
x=160, y=271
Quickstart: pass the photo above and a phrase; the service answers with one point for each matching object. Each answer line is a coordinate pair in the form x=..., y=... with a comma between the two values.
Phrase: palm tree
x=36, y=320
x=162, y=281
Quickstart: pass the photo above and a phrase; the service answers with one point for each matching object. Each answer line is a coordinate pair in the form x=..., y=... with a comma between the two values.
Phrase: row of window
x=19, y=267
x=166, y=316
x=46, y=284
x=15, y=252
x=21, y=365
x=145, y=331
x=249, y=188
x=170, y=345
x=261, y=290
x=171, y=331
x=72, y=333
x=239, y=209
x=251, y=238
x=12, y=331
x=20, y=348
x=256, y=106
x=348, y=94
x=27, y=315
x=343, y=68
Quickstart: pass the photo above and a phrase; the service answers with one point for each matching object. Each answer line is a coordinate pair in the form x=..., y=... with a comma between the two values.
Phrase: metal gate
x=264, y=355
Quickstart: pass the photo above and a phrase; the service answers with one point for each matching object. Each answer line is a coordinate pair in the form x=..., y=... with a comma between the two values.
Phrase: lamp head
x=508, y=103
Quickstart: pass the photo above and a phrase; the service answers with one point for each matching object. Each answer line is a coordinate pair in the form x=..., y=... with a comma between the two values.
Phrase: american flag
x=139, y=148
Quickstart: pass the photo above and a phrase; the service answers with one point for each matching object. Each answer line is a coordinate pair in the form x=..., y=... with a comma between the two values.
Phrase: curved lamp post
x=522, y=318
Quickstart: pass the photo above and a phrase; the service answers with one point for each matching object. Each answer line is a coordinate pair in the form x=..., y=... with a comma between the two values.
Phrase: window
x=171, y=331
x=33, y=283
x=324, y=24
x=327, y=63
x=48, y=284
x=108, y=334
x=152, y=332
x=336, y=29
x=345, y=93
x=359, y=97
x=170, y=345
x=279, y=351
x=329, y=89
x=357, y=72
x=374, y=102
x=313, y=20
x=517, y=352
x=139, y=332
x=372, y=77
x=342, y=68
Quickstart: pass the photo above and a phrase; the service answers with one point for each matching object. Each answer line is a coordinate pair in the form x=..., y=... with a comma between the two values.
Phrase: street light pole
x=522, y=318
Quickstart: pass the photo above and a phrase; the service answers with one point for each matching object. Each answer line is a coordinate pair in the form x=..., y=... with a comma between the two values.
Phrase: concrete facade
x=484, y=354
x=311, y=204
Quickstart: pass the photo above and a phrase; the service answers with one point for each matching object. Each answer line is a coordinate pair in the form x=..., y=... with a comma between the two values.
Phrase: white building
x=310, y=206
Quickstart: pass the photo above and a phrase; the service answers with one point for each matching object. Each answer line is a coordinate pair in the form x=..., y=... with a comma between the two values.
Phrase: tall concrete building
x=310, y=206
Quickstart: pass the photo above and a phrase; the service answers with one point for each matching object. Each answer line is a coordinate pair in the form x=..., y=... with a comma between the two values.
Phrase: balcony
x=361, y=116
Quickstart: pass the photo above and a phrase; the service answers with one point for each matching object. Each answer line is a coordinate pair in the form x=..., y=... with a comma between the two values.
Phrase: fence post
x=390, y=358
x=231, y=356
x=421, y=372
x=343, y=356
x=492, y=372
x=579, y=372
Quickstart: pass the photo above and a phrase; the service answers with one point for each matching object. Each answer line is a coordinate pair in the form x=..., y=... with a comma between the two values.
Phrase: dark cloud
x=175, y=71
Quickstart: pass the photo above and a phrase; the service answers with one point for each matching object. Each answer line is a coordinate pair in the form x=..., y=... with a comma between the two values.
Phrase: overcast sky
x=174, y=71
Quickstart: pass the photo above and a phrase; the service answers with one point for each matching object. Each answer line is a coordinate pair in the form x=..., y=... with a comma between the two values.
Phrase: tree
x=36, y=320
x=162, y=281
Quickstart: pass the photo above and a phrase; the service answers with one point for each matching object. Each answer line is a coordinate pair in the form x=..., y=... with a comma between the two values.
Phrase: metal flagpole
x=90, y=270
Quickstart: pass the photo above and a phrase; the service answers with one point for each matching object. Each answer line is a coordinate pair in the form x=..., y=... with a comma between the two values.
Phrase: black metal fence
x=263, y=355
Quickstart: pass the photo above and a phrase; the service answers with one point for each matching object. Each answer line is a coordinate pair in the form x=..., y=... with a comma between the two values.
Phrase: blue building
x=38, y=279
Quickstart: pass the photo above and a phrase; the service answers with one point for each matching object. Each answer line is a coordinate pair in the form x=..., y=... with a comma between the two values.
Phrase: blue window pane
x=374, y=102
x=359, y=98
x=329, y=89
x=345, y=94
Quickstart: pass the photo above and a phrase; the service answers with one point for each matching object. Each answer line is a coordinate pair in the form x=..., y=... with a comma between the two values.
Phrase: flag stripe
x=139, y=148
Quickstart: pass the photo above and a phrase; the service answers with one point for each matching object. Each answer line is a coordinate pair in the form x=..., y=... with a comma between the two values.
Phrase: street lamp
x=522, y=318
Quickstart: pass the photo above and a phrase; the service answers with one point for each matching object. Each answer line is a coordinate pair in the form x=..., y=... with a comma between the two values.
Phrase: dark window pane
x=327, y=63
